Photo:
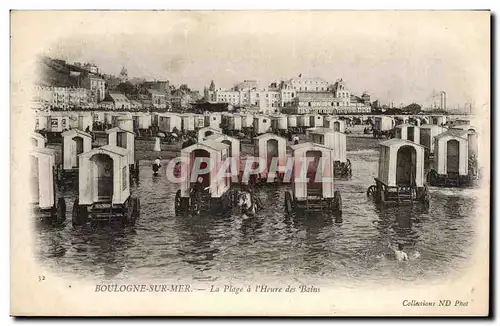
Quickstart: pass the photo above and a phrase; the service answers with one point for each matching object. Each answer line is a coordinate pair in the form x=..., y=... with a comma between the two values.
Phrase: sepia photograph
x=239, y=163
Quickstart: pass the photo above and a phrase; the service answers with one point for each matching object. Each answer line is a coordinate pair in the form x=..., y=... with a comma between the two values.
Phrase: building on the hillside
x=158, y=98
x=180, y=99
x=61, y=97
x=96, y=85
x=92, y=68
x=117, y=101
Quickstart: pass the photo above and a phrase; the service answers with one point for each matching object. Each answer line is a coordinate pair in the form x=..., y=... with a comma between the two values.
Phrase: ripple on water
x=163, y=246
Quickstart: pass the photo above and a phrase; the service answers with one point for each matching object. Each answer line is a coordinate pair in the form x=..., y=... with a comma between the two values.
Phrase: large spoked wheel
x=288, y=202
x=372, y=191
x=80, y=214
x=337, y=201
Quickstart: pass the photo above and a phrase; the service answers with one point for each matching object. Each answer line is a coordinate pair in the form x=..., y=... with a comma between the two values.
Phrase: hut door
x=76, y=150
x=121, y=139
x=200, y=158
x=313, y=188
x=410, y=133
x=425, y=139
x=336, y=126
x=35, y=190
x=104, y=165
x=452, y=156
x=272, y=151
x=406, y=168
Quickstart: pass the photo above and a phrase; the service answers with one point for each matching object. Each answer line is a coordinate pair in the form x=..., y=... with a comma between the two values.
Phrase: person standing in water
x=399, y=253
x=156, y=165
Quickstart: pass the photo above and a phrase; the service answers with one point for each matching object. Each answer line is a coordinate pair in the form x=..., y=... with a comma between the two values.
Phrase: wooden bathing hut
x=401, y=178
x=246, y=122
x=75, y=142
x=108, y=120
x=439, y=120
x=233, y=123
x=292, y=123
x=58, y=124
x=268, y=147
x=337, y=142
x=168, y=122
x=279, y=123
x=38, y=140
x=427, y=134
x=382, y=126
x=233, y=150
x=472, y=138
x=408, y=132
x=85, y=120
x=199, y=121
x=104, y=187
x=117, y=119
x=303, y=122
x=122, y=138
x=187, y=122
x=142, y=123
x=261, y=124
x=212, y=193
x=451, y=160
x=42, y=122
x=334, y=124
x=43, y=186
x=98, y=121
x=213, y=120
x=317, y=120
x=203, y=133
x=312, y=184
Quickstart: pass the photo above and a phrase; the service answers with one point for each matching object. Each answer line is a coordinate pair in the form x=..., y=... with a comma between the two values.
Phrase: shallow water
x=163, y=246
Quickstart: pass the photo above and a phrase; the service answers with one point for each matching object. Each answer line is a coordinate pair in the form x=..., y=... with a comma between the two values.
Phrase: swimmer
x=156, y=165
x=399, y=253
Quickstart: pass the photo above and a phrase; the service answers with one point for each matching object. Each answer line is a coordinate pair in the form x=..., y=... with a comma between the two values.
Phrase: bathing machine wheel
x=372, y=191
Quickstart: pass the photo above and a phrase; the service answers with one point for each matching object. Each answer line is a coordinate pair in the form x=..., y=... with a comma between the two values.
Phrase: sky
x=399, y=57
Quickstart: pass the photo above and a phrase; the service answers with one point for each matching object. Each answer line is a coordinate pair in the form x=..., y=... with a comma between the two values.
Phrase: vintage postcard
x=250, y=163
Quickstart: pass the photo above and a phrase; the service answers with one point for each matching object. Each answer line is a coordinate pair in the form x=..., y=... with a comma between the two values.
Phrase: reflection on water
x=358, y=246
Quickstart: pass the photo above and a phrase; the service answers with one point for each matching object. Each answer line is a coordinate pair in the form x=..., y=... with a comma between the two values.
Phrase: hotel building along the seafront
x=295, y=96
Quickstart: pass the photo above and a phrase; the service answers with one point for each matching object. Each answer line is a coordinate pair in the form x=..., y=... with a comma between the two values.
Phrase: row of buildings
x=67, y=86
x=298, y=95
